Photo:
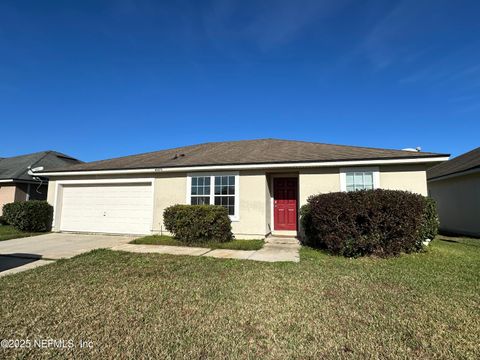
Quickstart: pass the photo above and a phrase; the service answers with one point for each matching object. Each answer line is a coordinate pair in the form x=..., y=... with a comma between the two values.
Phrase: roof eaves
x=455, y=173
x=253, y=163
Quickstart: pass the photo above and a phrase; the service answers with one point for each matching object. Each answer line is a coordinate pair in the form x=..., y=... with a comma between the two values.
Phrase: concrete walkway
x=275, y=250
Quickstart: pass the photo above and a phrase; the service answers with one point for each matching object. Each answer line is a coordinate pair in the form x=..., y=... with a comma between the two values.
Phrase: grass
x=161, y=306
x=233, y=245
x=7, y=232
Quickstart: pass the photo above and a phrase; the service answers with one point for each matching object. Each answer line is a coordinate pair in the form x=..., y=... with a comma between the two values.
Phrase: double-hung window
x=359, y=179
x=215, y=189
x=200, y=190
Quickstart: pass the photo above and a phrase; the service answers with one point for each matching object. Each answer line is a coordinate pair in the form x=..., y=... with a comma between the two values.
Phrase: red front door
x=285, y=203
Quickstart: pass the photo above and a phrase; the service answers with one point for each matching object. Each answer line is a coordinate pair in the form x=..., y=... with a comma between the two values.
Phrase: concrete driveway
x=59, y=245
x=22, y=254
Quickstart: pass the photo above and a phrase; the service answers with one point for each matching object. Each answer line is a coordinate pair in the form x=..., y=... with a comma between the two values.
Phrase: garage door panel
x=120, y=208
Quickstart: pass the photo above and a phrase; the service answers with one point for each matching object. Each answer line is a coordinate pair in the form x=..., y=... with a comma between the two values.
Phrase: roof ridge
x=251, y=140
x=355, y=146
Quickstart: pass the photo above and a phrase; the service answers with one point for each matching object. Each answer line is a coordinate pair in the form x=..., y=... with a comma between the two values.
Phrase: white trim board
x=248, y=166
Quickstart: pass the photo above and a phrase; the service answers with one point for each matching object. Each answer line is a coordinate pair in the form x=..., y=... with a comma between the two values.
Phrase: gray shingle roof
x=264, y=151
x=465, y=162
x=16, y=167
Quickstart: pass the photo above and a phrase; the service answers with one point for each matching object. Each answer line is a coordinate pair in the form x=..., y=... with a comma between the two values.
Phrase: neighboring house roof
x=466, y=162
x=16, y=168
x=264, y=151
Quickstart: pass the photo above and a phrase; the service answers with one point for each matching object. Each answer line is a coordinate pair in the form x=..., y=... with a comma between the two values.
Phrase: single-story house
x=16, y=184
x=455, y=185
x=262, y=183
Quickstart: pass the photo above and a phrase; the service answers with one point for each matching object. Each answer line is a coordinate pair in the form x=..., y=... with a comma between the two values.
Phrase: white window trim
x=212, y=175
x=344, y=171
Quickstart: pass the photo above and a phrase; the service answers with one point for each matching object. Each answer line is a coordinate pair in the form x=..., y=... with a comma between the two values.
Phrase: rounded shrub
x=369, y=222
x=34, y=215
x=198, y=223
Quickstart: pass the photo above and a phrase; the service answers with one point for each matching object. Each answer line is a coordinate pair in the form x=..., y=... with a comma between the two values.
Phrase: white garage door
x=109, y=208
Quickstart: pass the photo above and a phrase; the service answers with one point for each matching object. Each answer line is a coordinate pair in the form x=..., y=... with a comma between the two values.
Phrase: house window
x=359, y=179
x=218, y=189
x=225, y=192
x=200, y=193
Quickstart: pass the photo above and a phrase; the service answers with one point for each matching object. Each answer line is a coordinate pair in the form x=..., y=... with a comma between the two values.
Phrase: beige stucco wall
x=255, y=191
x=253, y=212
x=7, y=195
x=51, y=192
x=170, y=189
x=317, y=181
x=458, y=202
x=394, y=177
x=404, y=177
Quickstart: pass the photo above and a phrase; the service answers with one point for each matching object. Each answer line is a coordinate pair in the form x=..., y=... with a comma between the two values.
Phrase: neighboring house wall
x=255, y=192
x=458, y=201
x=21, y=192
x=7, y=195
x=18, y=192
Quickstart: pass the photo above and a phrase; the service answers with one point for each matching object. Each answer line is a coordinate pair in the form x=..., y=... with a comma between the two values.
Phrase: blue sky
x=100, y=79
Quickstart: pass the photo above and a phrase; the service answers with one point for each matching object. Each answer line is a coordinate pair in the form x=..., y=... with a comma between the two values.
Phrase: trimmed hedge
x=198, y=223
x=372, y=222
x=33, y=216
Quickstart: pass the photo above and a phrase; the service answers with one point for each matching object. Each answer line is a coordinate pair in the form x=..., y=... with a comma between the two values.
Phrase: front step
x=281, y=240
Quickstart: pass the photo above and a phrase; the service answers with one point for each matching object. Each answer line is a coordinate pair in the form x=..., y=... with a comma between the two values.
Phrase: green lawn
x=233, y=245
x=7, y=232
x=420, y=306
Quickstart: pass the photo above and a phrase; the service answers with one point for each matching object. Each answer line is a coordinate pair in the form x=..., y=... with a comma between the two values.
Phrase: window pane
x=231, y=180
x=358, y=180
x=194, y=181
x=200, y=200
x=194, y=190
x=350, y=179
x=231, y=190
x=368, y=178
x=350, y=187
x=227, y=202
x=218, y=180
x=206, y=189
x=207, y=180
x=218, y=189
x=224, y=180
x=224, y=190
